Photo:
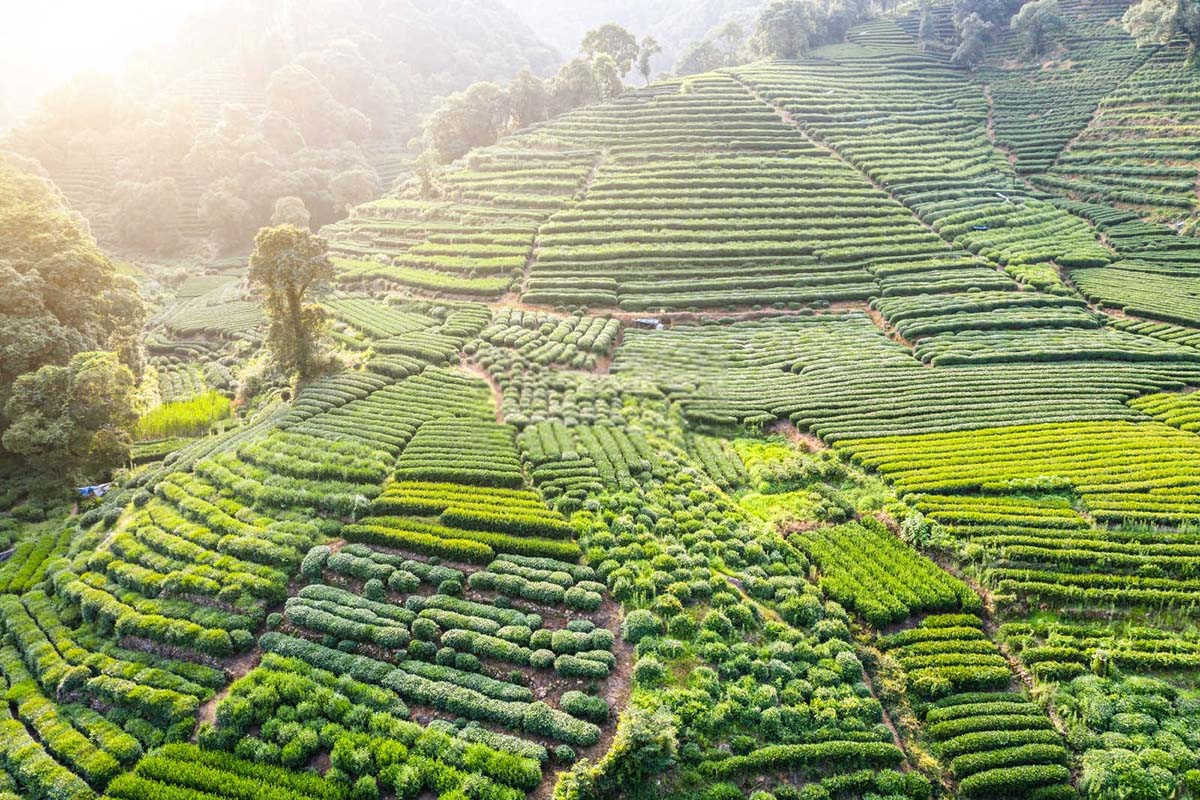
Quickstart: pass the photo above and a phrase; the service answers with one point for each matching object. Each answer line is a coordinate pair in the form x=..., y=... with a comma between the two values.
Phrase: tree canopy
x=291, y=211
x=788, y=28
x=62, y=295
x=1038, y=23
x=785, y=28
x=975, y=31
x=647, y=50
x=467, y=119
x=614, y=41
x=287, y=263
x=72, y=422
x=485, y=111
x=1157, y=21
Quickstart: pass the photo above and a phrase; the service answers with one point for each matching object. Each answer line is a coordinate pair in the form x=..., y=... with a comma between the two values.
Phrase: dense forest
x=686, y=400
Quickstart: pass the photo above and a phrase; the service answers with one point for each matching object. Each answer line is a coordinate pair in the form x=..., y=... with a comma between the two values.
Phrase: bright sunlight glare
x=51, y=40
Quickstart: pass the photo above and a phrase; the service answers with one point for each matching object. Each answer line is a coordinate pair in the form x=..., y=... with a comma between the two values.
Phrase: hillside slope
x=769, y=433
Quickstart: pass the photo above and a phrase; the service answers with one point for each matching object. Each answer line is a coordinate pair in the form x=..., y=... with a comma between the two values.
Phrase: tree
x=286, y=264
x=297, y=94
x=1038, y=23
x=1157, y=21
x=975, y=31
x=224, y=214
x=528, y=99
x=575, y=85
x=648, y=49
x=61, y=294
x=73, y=423
x=784, y=30
x=466, y=120
x=730, y=36
x=699, y=57
x=280, y=133
x=996, y=12
x=925, y=31
x=834, y=18
x=423, y=166
x=146, y=215
x=291, y=210
x=645, y=746
x=353, y=187
x=607, y=77
x=616, y=42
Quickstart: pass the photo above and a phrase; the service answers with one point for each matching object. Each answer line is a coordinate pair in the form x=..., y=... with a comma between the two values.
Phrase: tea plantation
x=810, y=429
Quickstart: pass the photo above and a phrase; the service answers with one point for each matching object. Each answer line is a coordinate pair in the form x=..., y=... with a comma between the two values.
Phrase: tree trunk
x=299, y=333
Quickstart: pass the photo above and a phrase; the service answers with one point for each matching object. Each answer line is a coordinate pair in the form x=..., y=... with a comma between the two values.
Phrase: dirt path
x=497, y=392
x=810, y=442
x=237, y=668
x=889, y=331
x=905, y=765
x=992, y=628
x=831, y=151
x=616, y=690
x=122, y=523
x=991, y=133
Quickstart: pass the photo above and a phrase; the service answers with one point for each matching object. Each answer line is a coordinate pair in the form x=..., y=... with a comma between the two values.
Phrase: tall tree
x=785, y=29
x=74, y=422
x=731, y=36
x=468, y=119
x=616, y=42
x=699, y=57
x=291, y=210
x=647, y=50
x=834, y=18
x=996, y=12
x=353, y=187
x=975, y=31
x=286, y=264
x=225, y=214
x=61, y=294
x=1038, y=23
x=925, y=32
x=147, y=214
x=607, y=75
x=1157, y=21
x=528, y=99
x=574, y=85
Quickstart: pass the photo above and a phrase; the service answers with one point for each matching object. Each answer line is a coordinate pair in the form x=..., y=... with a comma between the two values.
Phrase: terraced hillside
x=787, y=431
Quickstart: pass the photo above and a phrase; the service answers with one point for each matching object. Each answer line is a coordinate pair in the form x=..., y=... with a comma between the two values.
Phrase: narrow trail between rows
x=237, y=668
x=585, y=186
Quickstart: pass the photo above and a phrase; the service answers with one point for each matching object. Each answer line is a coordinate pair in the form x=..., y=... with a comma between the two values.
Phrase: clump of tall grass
x=183, y=418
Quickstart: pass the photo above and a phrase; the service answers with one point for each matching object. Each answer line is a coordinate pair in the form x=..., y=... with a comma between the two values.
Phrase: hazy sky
x=44, y=42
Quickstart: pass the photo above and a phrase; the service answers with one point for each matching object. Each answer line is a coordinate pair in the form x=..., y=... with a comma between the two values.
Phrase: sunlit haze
x=598, y=399
x=45, y=43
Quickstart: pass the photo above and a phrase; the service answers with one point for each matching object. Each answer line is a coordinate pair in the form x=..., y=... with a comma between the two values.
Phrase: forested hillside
x=256, y=101
x=818, y=427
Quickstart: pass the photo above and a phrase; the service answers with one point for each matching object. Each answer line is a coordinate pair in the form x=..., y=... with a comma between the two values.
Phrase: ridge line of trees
x=485, y=111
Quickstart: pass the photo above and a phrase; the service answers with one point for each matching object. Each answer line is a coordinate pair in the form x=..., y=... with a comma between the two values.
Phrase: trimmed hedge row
x=793, y=756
